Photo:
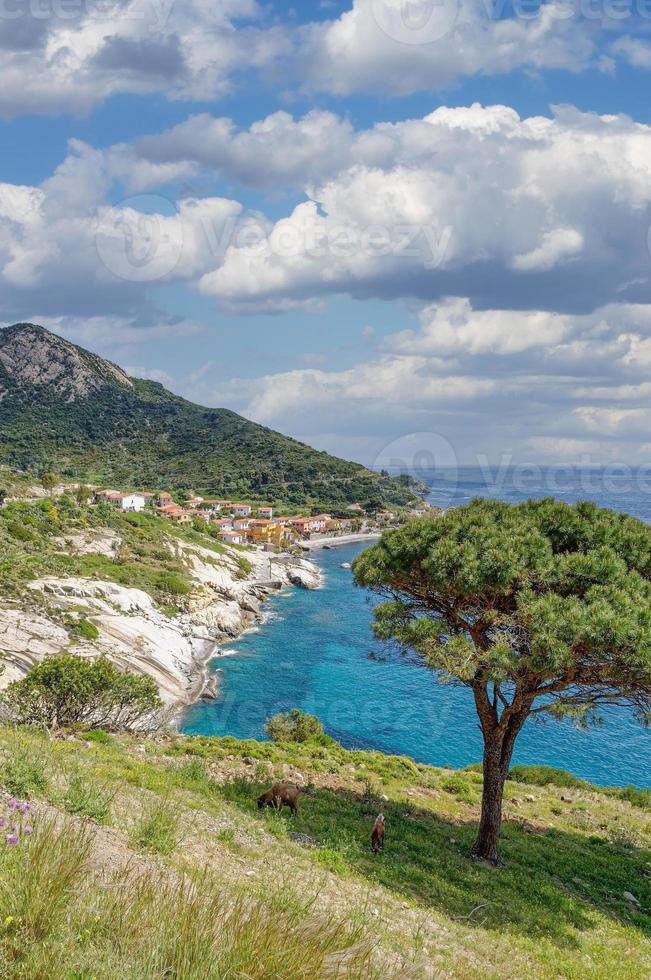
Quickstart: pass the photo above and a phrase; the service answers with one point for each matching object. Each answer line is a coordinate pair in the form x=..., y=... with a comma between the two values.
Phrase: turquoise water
x=316, y=651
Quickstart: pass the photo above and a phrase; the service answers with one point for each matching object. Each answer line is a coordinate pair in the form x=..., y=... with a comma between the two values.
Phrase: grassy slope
x=555, y=910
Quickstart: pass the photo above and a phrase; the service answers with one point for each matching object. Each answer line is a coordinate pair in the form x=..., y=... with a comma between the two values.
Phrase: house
x=232, y=537
x=310, y=525
x=194, y=502
x=181, y=516
x=241, y=524
x=107, y=496
x=383, y=516
x=222, y=523
x=266, y=512
x=131, y=502
x=204, y=515
x=355, y=507
x=170, y=510
x=267, y=533
x=241, y=510
x=163, y=498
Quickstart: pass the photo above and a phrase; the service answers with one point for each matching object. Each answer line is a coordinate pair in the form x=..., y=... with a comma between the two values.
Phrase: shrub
x=63, y=691
x=20, y=532
x=172, y=583
x=294, y=726
x=98, y=735
x=546, y=775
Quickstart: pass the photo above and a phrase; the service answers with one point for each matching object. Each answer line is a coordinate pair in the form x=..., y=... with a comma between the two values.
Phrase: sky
x=399, y=230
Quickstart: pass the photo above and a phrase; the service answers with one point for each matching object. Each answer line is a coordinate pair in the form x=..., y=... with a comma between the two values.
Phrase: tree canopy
x=539, y=608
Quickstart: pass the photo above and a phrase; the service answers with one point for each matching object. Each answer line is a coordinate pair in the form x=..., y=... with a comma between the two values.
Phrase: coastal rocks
x=132, y=631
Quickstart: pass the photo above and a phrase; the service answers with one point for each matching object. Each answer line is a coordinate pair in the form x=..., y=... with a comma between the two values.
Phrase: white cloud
x=635, y=50
x=398, y=47
x=530, y=213
x=69, y=57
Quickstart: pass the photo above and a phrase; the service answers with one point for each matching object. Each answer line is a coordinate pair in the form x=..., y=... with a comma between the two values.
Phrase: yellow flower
x=9, y=920
x=97, y=918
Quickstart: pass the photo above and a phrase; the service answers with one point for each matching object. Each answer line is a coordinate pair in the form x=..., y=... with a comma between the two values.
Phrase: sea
x=315, y=650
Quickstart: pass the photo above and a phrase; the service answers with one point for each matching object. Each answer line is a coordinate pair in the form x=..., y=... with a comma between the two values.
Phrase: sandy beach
x=317, y=543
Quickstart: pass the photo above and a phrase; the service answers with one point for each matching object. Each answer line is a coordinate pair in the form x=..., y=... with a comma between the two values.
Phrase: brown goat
x=377, y=835
x=280, y=795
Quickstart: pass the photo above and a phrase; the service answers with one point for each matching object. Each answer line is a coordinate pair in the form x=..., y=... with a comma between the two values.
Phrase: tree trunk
x=486, y=847
x=499, y=742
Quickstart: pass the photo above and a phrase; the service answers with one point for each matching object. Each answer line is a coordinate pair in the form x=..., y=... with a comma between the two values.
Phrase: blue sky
x=376, y=225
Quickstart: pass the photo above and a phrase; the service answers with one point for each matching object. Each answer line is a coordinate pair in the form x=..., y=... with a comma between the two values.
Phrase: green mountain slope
x=68, y=410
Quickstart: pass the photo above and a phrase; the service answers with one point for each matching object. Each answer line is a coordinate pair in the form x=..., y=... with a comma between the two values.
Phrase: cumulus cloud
x=399, y=47
x=522, y=385
x=528, y=213
x=70, y=57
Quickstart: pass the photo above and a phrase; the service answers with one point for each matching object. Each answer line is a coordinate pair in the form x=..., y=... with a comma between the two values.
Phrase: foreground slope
x=66, y=409
x=155, y=809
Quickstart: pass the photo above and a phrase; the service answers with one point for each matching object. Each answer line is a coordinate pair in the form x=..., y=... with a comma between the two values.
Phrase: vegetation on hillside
x=217, y=888
x=145, y=437
x=538, y=608
x=33, y=544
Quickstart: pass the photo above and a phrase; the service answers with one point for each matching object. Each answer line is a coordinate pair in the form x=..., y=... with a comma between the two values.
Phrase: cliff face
x=34, y=358
x=133, y=632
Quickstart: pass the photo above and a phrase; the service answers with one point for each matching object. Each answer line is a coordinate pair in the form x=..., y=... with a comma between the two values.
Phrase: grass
x=68, y=922
x=556, y=909
x=157, y=830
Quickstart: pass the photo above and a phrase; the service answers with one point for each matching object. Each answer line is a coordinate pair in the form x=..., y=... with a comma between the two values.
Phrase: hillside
x=149, y=858
x=65, y=409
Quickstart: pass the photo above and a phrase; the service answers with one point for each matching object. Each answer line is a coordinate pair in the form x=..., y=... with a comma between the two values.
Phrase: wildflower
x=3, y=822
x=8, y=920
x=28, y=829
x=12, y=839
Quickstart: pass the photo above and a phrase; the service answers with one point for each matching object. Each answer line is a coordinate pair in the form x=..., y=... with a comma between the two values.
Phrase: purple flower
x=12, y=839
x=27, y=829
x=14, y=827
x=13, y=804
x=3, y=822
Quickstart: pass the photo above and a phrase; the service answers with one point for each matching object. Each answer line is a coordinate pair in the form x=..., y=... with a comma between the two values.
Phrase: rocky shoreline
x=137, y=635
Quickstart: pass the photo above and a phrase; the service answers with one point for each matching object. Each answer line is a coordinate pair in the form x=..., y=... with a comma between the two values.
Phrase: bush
x=294, y=726
x=546, y=775
x=64, y=691
x=19, y=532
x=172, y=584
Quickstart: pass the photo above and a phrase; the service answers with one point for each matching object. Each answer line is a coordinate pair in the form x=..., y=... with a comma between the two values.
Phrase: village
x=246, y=524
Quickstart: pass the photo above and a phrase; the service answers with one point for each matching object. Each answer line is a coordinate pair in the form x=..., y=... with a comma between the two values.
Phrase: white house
x=133, y=502
x=242, y=524
x=231, y=537
x=241, y=510
x=266, y=512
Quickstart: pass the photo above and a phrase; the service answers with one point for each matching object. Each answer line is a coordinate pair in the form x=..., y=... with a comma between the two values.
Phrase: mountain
x=65, y=409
